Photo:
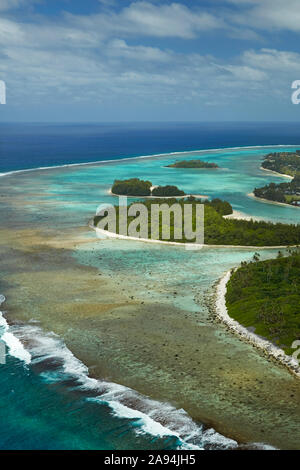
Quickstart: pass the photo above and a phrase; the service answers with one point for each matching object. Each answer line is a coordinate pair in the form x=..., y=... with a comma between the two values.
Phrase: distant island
x=192, y=164
x=284, y=163
x=221, y=231
x=287, y=193
x=257, y=296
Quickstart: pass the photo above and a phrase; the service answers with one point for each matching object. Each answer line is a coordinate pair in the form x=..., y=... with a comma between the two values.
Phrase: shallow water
x=58, y=277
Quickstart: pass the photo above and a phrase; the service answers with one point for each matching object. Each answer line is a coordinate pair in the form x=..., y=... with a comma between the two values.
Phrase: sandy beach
x=276, y=173
x=102, y=234
x=241, y=216
x=268, y=348
x=132, y=317
x=260, y=199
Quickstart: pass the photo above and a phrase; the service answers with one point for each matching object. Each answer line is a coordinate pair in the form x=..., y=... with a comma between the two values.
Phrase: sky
x=152, y=60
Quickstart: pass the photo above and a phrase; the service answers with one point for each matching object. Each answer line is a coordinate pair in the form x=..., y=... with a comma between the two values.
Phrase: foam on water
x=184, y=152
x=146, y=416
x=15, y=347
x=57, y=364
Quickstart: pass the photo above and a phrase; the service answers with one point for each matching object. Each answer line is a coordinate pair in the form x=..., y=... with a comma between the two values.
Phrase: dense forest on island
x=220, y=231
x=287, y=163
x=167, y=191
x=288, y=193
x=192, y=164
x=132, y=187
x=137, y=187
x=265, y=295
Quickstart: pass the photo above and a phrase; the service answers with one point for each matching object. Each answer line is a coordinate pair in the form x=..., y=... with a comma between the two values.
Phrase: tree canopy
x=192, y=164
x=265, y=295
x=132, y=187
x=220, y=231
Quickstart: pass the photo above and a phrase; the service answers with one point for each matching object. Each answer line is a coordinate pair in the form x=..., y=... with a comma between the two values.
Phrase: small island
x=286, y=193
x=193, y=164
x=167, y=191
x=134, y=187
x=257, y=296
x=284, y=163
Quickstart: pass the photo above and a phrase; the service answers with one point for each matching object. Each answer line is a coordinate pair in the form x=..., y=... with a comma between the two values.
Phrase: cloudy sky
x=120, y=60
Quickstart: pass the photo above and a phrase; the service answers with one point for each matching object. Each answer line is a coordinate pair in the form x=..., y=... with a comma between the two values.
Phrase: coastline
x=276, y=173
x=220, y=313
x=99, y=162
x=197, y=196
x=121, y=354
x=261, y=199
x=241, y=216
x=102, y=234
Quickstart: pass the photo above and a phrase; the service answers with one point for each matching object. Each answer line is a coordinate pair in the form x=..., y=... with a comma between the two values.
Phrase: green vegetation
x=222, y=207
x=167, y=191
x=287, y=163
x=192, y=164
x=288, y=193
x=137, y=187
x=220, y=231
x=266, y=295
x=132, y=187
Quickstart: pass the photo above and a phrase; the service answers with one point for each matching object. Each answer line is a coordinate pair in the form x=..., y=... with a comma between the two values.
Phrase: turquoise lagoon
x=51, y=403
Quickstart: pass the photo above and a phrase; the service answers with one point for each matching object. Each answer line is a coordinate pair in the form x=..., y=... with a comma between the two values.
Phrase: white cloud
x=169, y=20
x=268, y=14
x=119, y=71
x=106, y=57
x=119, y=48
x=11, y=32
x=11, y=4
x=148, y=19
x=283, y=62
x=245, y=73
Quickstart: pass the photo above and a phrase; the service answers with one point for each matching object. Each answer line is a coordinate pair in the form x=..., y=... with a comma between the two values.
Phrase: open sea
x=34, y=145
x=47, y=400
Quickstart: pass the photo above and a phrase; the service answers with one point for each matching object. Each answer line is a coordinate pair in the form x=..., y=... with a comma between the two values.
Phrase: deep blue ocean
x=40, y=410
x=35, y=145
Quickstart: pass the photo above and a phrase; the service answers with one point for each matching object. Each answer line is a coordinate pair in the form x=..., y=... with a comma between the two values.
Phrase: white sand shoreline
x=269, y=349
x=219, y=307
x=276, y=173
x=237, y=215
x=267, y=201
x=103, y=234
